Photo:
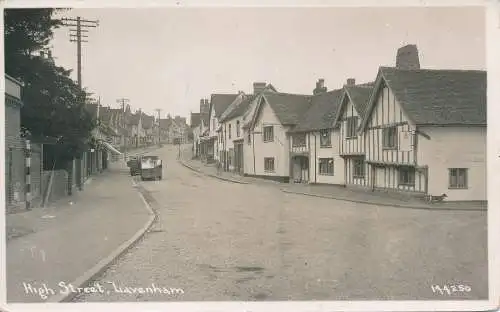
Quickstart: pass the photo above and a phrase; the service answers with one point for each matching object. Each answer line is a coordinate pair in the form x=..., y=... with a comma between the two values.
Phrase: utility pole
x=159, y=124
x=76, y=36
x=122, y=102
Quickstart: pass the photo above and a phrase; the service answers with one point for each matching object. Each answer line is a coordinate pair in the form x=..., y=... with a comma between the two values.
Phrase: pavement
x=354, y=195
x=220, y=241
x=65, y=241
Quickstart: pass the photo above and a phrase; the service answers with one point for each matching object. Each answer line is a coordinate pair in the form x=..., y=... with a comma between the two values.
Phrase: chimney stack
x=351, y=82
x=258, y=87
x=320, y=87
x=407, y=57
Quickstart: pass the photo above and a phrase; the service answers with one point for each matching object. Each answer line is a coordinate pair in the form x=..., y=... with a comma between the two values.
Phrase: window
x=326, y=166
x=352, y=126
x=359, y=168
x=407, y=176
x=269, y=164
x=268, y=134
x=229, y=131
x=325, y=139
x=389, y=137
x=238, y=128
x=249, y=137
x=299, y=140
x=458, y=178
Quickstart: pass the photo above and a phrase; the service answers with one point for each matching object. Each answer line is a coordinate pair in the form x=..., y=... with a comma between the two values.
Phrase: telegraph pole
x=159, y=124
x=122, y=102
x=81, y=26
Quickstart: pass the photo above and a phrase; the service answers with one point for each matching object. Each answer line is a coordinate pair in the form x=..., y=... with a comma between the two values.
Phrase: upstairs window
x=389, y=137
x=229, y=131
x=268, y=134
x=351, y=127
x=238, y=129
x=299, y=140
x=325, y=138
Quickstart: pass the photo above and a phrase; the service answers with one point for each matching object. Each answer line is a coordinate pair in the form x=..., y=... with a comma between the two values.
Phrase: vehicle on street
x=151, y=168
x=134, y=165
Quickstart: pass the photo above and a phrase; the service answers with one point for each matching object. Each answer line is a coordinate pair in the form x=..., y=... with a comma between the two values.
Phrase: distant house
x=425, y=132
x=231, y=136
x=165, y=130
x=351, y=147
x=199, y=142
x=218, y=104
x=272, y=117
x=314, y=142
x=195, y=131
x=137, y=133
x=148, y=123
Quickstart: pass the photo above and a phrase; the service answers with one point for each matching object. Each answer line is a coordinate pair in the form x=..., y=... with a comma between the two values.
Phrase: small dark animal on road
x=439, y=198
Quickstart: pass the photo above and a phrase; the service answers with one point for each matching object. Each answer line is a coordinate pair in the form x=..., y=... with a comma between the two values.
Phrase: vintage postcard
x=248, y=157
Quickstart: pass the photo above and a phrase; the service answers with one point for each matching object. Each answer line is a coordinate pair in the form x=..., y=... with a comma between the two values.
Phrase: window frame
x=351, y=127
x=456, y=185
x=266, y=169
x=328, y=135
x=411, y=176
x=271, y=134
x=302, y=143
x=359, y=165
x=329, y=165
x=238, y=129
x=386, y=138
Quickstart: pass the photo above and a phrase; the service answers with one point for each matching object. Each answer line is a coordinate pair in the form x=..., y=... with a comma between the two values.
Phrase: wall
x=325, y=152
x=228, y=143
x=15, y=175
x=455, y=147
x=279, y=148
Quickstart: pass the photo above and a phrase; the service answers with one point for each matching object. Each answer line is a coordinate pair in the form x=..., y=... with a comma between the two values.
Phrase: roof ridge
x=433, y=70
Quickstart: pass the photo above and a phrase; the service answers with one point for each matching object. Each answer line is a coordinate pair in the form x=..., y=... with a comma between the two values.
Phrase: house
x=314, y=145
x=351, y=147
x=180, y=129
x=425, y=131
x=194, y=125
x=14, y=145
x=201, y=142
x=271, y=118
x=218, y=104
x=148, y=123
x=231, y=136
x=138, y=135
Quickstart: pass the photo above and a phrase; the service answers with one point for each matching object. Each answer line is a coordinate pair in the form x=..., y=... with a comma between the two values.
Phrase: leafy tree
x=54, y=105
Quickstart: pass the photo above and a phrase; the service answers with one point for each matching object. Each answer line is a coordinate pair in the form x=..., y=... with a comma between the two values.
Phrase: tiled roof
x=220, y=102
x=321, y=114
x=289, y=108
x=439, y=97
x=195, y=119
x=240, y=108
x=359, y=95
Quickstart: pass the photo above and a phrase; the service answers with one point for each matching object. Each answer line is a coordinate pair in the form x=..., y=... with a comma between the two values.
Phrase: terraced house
x=314, y=143
x=273, y=116
x=351, y=147
x=425, y=132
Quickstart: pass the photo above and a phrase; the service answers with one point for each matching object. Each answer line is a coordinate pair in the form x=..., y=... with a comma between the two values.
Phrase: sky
x=170, y=58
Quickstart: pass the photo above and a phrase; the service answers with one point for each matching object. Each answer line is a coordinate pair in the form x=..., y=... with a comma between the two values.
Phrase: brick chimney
x=258, y=87
x=407, y=57
x=320, y=87
x=350, y=82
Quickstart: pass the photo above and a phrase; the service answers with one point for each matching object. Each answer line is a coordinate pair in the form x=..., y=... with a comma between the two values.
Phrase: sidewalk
x=336, y=192
x=63, y=241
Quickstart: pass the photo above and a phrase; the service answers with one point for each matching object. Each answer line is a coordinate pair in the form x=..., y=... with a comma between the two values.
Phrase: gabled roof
x=195, y=119
x=220, y=102
x=239, y=108
x=435, y=97
x=289, y=108
x=359, y=95
x=134, y=119
x=321, y=115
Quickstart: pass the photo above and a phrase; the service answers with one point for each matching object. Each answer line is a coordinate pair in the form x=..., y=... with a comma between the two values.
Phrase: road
x=217, y=240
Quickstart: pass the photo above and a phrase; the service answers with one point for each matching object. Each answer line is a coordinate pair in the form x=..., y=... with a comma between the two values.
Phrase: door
x=240, y=155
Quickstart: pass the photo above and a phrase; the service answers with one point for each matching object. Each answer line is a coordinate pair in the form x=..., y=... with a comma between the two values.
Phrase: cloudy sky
x=169, y=58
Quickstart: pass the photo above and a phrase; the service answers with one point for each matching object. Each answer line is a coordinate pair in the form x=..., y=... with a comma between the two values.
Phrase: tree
x=54, y=105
